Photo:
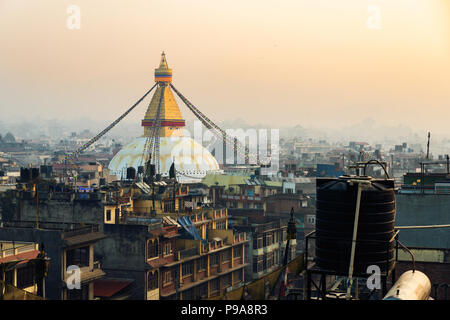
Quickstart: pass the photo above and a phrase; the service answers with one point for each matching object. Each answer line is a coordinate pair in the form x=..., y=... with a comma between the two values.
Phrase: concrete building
x=423, y=210
x=267, y=242
x=22, y=269
x=166, y=262
x=66, y=245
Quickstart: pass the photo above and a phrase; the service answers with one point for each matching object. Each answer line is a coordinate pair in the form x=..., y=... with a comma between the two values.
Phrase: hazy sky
x=314, y=63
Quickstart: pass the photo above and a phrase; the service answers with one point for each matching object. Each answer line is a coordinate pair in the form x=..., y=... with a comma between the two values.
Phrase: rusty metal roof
x=84, y=238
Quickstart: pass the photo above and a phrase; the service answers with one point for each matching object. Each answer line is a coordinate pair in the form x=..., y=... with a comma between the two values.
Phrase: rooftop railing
x=239, y=237
x=186, y=253
x=69, y=229
x=12, y=248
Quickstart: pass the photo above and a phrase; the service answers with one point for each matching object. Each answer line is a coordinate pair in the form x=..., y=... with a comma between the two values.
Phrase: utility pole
x=428, y=146
x=37, y=203
x=448, y=165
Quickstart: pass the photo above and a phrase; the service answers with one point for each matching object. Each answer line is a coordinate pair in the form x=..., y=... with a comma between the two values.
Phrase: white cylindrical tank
x=412, y=285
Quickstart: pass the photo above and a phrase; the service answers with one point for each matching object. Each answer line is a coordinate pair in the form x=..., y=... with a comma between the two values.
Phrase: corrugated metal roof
x=84, y=238
x=143, y=186
x=254, y=182
x=170, y=221
x=109, y=287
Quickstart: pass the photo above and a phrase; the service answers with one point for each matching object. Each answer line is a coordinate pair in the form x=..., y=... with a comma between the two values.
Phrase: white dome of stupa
x=192, y=160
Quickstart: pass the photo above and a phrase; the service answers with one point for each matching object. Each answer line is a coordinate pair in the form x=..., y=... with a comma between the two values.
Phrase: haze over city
x=315, y=64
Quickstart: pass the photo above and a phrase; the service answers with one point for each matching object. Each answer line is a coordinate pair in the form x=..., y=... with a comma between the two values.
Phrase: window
x=226, y=280
x=187, y=268
x=168, y=207
x=202, y=291
x=221, y=225
x=214, y=285
x=152, y=248
x=269, y=239
x=168, y=277
x=108, y=215
x=201, y=263
x=311, y=219
x=258, y=263
x=237, y=275
x=78, y=257
x=270, y=260
x=276, y=255
x=259, y=243
x=167, y=248
x=152, y=281
x=214, y=259
x=25, y=277
x=226, y=255
x=237, y=252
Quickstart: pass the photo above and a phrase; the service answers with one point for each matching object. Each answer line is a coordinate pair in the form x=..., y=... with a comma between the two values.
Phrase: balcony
x=88, y=274
x=240, y=197
x=14, y=248
x=187, y=253
x=67, y=229
x=270, y=226
x=80, y=231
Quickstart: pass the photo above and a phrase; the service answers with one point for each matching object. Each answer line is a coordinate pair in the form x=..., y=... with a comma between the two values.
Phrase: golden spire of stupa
x=172, y=122
x=163, y=73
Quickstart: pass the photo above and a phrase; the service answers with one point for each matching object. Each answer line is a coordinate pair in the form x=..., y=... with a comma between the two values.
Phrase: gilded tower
x=172, y=122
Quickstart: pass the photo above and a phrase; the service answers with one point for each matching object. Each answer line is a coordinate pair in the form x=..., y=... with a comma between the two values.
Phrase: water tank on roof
x=25, y=175
x=335, y=217
x=131, y=173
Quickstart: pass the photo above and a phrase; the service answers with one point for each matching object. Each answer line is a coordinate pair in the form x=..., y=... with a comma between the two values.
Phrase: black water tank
x=335, y=216
x=25, y=175
x=34, y=173
x=131, y=173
